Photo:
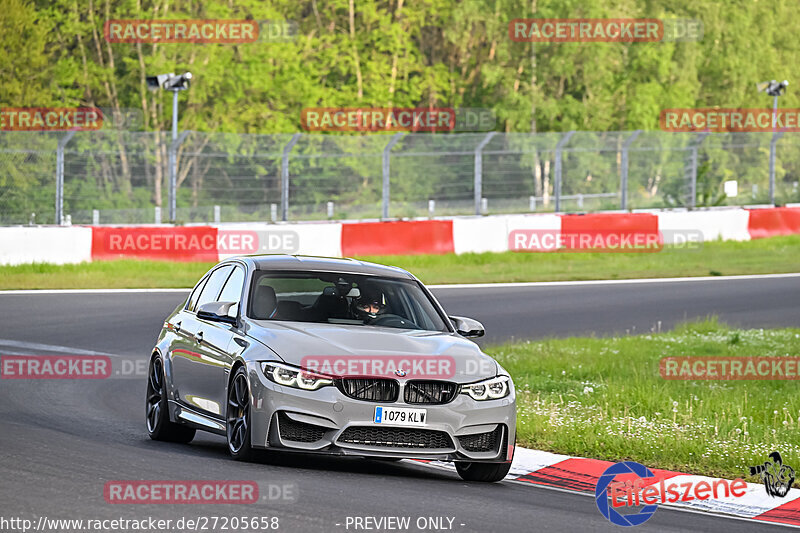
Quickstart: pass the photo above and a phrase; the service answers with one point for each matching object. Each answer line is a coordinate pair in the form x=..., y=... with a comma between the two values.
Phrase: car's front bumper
x=331, y=413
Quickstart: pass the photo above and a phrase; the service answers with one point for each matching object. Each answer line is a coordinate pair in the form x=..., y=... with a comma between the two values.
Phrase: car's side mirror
x=218, y=312
x=467, y=327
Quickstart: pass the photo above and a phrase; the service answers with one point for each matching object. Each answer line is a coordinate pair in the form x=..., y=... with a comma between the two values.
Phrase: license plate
x=400, y=416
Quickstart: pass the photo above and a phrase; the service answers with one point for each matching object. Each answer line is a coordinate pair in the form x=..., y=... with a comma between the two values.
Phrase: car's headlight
x=295, y=377
x=488, y=389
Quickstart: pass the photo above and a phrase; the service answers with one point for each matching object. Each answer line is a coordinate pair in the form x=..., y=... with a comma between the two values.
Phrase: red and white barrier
x=404, y=237
x=717, y=224
x=772, y=222
x=21, y=245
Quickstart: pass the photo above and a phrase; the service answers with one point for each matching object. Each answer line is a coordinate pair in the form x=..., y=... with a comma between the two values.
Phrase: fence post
x=693, y=184
x=62, y=142
x=386, y=153
x=772, y=143
x=623, y=180
x=557, y=186
x=479, y=170
x=285, y=176
x=173, y=173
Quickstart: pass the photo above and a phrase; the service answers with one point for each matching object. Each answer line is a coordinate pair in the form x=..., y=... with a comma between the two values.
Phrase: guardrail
x=123, y=177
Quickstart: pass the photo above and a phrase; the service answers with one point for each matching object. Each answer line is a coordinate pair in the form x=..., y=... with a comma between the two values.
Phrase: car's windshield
x=337, y=298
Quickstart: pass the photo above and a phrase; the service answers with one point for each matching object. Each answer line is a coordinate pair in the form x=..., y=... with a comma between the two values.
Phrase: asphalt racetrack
x=62, y=440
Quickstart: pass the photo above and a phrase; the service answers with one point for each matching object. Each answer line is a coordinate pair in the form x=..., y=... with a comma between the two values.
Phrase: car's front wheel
x=238, y=417
x=486, y=472
x=159, y=426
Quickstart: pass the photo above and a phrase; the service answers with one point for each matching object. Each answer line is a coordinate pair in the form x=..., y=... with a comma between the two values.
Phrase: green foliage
x=406, y=54
x=604, y=398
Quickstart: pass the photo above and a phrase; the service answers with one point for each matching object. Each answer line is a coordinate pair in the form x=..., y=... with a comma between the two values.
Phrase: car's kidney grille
x=482, y=442
x=430, y=392
x=396, y=437
x=299, y=431
x=370, y=389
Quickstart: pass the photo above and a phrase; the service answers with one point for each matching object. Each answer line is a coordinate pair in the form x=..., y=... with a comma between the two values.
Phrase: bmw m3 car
x=329, y=356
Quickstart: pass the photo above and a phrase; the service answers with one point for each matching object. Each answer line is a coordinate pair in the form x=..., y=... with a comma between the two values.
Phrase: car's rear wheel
x=486, y=472
x=238, y=417
x=159, y=426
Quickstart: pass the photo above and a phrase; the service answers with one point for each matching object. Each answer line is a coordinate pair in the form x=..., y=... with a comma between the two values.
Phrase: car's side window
x=191, y=305
x=213, y=286
x=232, y=291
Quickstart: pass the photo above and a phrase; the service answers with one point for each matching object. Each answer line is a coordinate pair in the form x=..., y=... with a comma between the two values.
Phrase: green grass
x=123, y=273
x=763, y=256
x=605, y=399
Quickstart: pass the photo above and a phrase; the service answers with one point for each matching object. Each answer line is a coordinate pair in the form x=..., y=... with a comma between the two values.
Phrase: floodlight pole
x=773, y=89
x=173, y=161
x=772, y=143
x=171, y=82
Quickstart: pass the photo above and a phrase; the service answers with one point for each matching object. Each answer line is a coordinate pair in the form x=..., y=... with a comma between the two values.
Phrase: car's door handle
x=177, y=326
x=199, y=336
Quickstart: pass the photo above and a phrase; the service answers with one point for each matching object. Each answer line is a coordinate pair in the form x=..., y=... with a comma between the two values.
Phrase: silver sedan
x=329, y=356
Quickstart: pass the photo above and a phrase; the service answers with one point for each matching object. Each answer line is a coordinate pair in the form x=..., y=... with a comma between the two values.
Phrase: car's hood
x=422, y=354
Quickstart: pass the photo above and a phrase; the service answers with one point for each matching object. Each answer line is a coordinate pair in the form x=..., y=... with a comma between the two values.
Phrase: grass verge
x=763, y=256
x=605, y=399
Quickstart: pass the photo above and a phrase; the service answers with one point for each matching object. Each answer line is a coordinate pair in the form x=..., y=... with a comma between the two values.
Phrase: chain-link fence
x=106, y=177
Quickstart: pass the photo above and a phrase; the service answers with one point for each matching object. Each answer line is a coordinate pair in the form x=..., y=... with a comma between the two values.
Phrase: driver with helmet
x=369, y=304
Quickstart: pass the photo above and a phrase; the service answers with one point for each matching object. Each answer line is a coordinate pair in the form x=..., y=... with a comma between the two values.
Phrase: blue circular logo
x=601, y=494
x=400, y=373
